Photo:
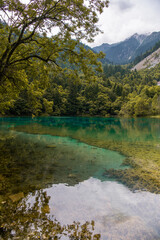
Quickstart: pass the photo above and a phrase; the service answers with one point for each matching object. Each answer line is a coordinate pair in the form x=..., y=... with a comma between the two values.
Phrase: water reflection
x=117, y=128
x=138, y=139
x=63, y=157
x=23, y=221
x=81, y=211
x=29, y=162
x=117, y=212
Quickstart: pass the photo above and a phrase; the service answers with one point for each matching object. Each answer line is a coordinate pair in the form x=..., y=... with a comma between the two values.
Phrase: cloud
x=123, y=5
x=123, y=18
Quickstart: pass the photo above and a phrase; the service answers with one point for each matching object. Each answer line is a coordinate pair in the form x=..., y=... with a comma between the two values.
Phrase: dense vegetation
x=116, y=91
x=60, y=76
x=28, y=56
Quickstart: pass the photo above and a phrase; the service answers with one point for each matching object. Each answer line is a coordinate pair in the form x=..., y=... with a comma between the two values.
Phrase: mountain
x=126, y=51
x=150, y=61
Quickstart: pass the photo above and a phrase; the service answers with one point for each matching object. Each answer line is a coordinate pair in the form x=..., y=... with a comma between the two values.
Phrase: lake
x=79, y=178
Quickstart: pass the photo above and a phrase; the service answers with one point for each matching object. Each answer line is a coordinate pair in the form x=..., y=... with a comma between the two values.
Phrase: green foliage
x=134, y=94
x=26, y=53
x=60, y=76
x=110, y=70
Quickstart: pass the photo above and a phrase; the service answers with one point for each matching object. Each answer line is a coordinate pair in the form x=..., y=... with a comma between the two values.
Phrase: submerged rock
x=51, y=146
x=71, y=175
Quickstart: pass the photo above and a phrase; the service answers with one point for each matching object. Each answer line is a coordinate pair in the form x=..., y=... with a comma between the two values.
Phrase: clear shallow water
x=71, y=172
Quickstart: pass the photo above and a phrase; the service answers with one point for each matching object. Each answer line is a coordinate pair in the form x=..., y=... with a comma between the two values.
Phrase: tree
x=24, y=27
x=156, y=104
x=24, y=41
x=142, y=106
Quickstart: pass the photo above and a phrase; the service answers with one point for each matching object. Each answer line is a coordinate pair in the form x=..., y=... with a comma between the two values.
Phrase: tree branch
x=48, y=59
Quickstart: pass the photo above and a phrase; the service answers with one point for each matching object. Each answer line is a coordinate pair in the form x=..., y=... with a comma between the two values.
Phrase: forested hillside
x=118, y=91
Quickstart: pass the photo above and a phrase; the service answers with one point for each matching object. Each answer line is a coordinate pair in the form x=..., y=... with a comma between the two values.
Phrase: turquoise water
x=140, y=129
x=64, y=157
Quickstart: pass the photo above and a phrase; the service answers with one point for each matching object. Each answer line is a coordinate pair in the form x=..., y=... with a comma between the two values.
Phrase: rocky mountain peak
x=126, y=51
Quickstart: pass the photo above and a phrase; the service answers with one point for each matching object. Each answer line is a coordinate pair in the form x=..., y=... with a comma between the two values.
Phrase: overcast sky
x=123, y=18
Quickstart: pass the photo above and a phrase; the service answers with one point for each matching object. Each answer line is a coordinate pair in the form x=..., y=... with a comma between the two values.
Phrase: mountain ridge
x=126, y=51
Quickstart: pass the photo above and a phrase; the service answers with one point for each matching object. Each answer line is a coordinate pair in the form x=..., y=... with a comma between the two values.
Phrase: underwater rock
x=51, y=146
x=16, y=197
x=71, y=175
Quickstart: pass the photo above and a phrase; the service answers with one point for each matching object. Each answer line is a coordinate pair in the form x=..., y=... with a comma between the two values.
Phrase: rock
x=16, y=197
x=71, y=175
x=51, y=146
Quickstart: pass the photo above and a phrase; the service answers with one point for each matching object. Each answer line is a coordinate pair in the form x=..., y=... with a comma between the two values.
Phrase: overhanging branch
x=48, y=59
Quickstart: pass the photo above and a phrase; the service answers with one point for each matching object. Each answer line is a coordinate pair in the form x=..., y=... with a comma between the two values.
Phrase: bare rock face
x=151, y=61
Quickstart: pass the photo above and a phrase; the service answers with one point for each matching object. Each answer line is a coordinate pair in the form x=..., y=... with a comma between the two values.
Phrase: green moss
x=156, y=116
x=144, y=159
